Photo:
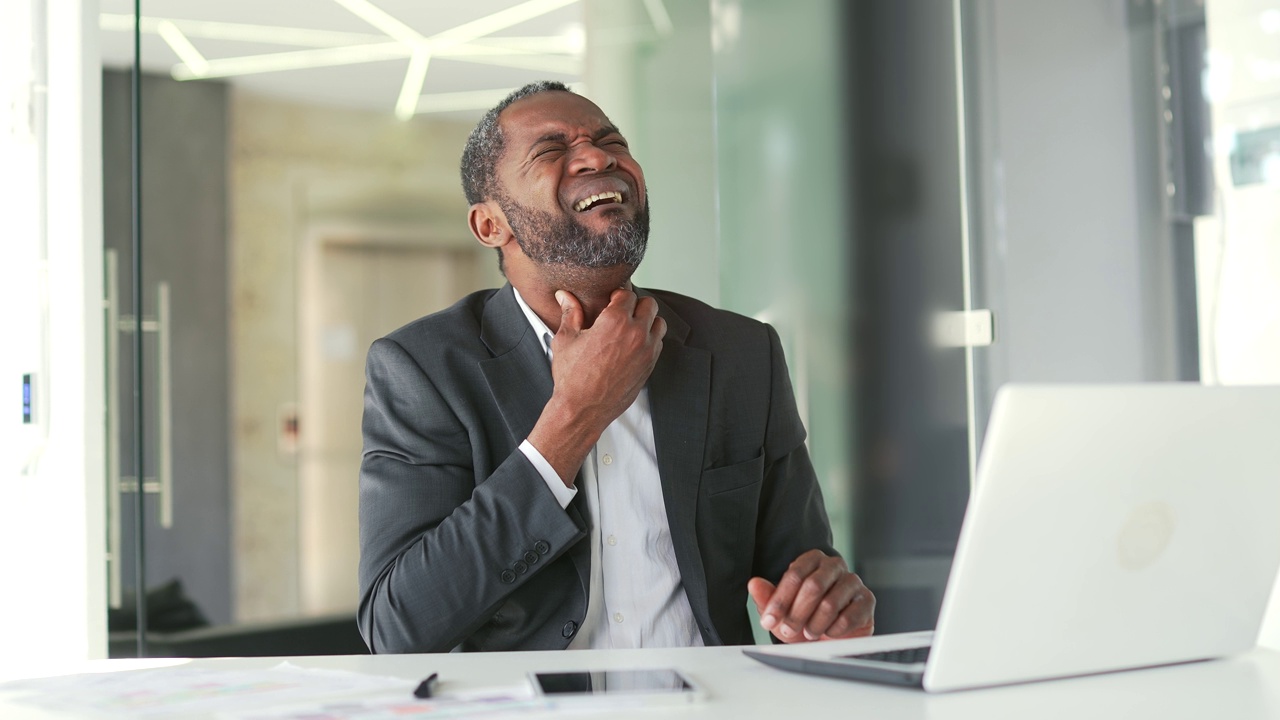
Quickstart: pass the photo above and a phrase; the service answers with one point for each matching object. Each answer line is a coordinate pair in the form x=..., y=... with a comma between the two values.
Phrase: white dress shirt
x=636, y=598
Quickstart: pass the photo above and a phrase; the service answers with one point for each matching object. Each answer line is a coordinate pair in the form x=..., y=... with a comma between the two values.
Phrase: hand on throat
x=591, y=286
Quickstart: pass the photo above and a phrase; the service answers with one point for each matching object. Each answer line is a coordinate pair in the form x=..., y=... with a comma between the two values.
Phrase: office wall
x=52, y=500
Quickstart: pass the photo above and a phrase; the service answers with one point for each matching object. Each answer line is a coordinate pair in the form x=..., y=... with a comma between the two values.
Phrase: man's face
x=560, y=153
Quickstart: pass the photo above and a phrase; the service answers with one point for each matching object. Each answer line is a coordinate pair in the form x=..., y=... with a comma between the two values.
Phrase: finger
x=828, y=610
x=779, y=605
x=646, y=310
x=571, y=315
x=857, y=619
x=812, y=591
x=622, y=301
x=760, y=590
x=658, y=330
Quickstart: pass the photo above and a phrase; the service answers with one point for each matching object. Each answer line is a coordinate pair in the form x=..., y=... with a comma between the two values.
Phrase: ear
x=489, y=224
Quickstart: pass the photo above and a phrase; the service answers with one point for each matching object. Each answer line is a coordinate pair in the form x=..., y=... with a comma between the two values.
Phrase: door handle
x=162, y=484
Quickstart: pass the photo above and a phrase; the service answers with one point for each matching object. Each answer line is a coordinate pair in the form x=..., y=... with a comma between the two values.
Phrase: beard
x=551, y=239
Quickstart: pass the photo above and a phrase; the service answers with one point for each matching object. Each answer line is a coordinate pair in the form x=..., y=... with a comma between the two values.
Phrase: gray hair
x=485, y=145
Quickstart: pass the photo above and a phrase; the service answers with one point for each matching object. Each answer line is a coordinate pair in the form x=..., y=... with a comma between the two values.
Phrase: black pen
x=427, y=687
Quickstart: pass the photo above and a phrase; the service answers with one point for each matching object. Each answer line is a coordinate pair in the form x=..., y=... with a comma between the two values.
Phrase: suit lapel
x=519, y=378
x=679, y=393
x=518, y=374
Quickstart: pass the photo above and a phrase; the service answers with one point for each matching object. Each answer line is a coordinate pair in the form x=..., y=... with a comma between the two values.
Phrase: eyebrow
x=564, y=138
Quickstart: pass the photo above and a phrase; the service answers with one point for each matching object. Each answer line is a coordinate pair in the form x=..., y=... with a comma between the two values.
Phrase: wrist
x=564, y=435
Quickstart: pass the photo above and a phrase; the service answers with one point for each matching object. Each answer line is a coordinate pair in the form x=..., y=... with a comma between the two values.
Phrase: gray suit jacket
x=463, y=545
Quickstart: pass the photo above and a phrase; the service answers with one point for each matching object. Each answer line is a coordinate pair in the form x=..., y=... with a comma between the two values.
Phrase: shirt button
x=613, y=540
x=617, y=617
x=607, y=460
x=569, y=629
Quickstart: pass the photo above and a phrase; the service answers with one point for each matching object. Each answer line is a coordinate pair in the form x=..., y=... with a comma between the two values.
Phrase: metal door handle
x=115, y=590
x=165, y=398
x=162, y=484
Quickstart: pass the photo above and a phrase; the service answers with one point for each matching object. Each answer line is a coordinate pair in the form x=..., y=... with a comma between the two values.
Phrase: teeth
x=584, y=203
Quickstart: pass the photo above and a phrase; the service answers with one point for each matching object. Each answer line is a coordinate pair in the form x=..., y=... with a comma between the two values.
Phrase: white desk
x=1240, y=688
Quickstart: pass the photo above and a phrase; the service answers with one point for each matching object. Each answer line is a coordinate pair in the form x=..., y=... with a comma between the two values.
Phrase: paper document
x=191, y=692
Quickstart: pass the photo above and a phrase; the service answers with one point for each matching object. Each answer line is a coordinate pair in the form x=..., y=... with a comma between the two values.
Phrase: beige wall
x=294, y=170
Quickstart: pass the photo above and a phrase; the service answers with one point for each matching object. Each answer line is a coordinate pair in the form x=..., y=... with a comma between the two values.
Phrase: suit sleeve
x=792, y=518
x=437, y=546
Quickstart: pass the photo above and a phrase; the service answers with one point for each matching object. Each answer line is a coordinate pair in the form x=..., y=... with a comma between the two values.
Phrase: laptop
x=1110, y=527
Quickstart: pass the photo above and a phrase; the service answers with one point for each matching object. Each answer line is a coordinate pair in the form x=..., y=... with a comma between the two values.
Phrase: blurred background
x=927, y=199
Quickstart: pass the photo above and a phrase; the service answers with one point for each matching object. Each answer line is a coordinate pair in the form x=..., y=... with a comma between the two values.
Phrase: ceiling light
x=380, y=19
x=410, y=91
x=296, y=60
x=183, y=48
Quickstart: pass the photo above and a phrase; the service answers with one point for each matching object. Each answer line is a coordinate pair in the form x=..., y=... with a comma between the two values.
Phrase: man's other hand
x=816, y=599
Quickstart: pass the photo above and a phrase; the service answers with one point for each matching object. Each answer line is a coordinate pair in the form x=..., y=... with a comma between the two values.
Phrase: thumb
x=570, y=312
x=761, y=591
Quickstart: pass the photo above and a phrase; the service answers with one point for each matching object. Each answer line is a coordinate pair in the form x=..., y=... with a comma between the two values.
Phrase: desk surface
x=1242, y=687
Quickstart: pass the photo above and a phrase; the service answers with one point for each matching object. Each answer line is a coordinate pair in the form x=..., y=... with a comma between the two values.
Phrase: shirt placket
x=619, y=612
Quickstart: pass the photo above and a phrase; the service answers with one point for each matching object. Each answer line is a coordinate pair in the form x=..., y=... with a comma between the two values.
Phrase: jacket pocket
x=716, y=481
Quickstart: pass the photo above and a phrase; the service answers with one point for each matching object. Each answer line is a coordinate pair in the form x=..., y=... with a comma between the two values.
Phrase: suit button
x=521, y=567
x=531, y=557
x=508, y=577
x=542, y=547
x=569, y=629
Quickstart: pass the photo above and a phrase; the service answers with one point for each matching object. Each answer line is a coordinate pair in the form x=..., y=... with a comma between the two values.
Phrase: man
x=570, y=461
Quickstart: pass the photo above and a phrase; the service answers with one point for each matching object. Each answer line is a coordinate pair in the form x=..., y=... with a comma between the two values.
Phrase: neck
x=592, y=287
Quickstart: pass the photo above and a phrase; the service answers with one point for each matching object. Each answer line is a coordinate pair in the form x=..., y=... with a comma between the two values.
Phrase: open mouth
x=595, y=201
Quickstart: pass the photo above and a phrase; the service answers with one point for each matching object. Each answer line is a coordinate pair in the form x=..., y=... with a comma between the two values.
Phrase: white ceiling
x=546, y=46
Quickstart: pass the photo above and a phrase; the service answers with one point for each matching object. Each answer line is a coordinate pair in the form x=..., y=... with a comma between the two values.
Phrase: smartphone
x=611, y=688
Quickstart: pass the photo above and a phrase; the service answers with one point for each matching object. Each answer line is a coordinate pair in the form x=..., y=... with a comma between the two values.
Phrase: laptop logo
x=1145, y=535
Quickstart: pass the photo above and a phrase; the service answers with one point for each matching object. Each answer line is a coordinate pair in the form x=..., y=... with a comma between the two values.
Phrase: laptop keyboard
x=908, y=656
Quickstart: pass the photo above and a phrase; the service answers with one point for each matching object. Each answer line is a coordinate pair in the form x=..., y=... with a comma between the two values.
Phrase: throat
x=591, y=286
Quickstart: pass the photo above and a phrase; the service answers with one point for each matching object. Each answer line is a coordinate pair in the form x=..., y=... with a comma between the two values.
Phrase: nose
x=587, y=157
